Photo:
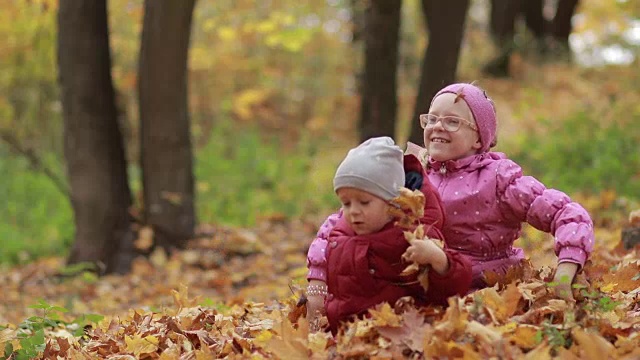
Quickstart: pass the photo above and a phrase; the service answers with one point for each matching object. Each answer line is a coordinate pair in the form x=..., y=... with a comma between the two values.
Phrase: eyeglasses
x=449, y=123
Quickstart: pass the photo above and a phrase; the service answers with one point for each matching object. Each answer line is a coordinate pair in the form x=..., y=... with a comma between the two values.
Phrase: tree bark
x=379, y=104
x=166, y=154
x=561, y=26
x=534, y=18
x=445, y=24
x=95, y=159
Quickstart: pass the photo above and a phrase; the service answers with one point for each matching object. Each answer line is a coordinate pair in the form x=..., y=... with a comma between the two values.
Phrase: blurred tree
x=445, y=25
x=96, y=164
x=166, y=154
x=551, y=37
x=379, y=94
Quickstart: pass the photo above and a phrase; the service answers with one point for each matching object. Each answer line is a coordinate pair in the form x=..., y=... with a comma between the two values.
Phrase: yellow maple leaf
x=383, y=315
x=608, y=288
x=409, y=207
x=171, y=353
x=181, y=298
x=525, y=336
x=289, y=343
x=139, y=345
x=408, y=211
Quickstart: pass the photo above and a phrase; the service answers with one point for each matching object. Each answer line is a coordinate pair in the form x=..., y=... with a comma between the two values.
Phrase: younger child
x=487, y=198
x=362, y=263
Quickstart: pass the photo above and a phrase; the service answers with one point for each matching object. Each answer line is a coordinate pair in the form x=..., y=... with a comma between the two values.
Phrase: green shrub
x=36, y=218
x=250, y=177
x=586, y=152
x=239, y=178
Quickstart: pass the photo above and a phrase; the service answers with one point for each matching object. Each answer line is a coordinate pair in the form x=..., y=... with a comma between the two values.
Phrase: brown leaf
x=542, y=352
x=501, y=306
x=145, y=239
x=289, y=343
x=626, y=278
x=592, y=345
x=412, y=333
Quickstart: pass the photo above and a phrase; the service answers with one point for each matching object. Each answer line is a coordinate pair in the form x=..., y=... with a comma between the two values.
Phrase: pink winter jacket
x=486, y=198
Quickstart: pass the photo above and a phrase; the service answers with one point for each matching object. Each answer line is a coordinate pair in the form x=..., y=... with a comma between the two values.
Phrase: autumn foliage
x=237, y=293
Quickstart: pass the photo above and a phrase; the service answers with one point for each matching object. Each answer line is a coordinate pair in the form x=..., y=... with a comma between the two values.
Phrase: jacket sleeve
x=411, y=163
x=316, y=259
x=456, y=281
x=524, y=198
x=433, y=218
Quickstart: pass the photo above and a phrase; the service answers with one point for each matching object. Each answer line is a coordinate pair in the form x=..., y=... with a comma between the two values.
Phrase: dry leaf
x=592, y=345
x=145, y=239
x=634, y=218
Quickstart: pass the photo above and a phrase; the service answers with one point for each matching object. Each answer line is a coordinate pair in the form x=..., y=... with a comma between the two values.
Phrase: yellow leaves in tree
x=227, y=33
x=244, y=102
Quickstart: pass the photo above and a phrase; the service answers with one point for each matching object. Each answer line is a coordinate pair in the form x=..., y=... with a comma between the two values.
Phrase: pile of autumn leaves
x=516, y=318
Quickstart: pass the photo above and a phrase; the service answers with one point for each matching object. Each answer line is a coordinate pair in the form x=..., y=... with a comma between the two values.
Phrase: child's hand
x=315, y=303
x=563, y=279
x=315, y=310
x=426, y=252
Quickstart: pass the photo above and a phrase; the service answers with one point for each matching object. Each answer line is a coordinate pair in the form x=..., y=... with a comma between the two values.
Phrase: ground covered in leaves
x=236, y=293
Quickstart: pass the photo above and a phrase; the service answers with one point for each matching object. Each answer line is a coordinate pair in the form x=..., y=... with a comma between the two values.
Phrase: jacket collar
x=467, y=164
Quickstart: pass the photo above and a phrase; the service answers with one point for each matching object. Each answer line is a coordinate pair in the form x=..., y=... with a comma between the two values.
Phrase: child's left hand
x=426, y=252
x=563, y=280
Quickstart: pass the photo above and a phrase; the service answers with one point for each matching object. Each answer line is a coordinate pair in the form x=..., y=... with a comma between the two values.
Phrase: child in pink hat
x=486, y=197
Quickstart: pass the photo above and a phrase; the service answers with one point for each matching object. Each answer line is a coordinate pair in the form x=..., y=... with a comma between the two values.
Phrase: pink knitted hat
x=482, y=109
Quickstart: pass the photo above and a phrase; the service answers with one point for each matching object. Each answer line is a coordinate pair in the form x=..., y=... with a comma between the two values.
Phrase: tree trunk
x=379, y=103
x=502, y=19
x=96, y=164
x=166, y=154
x=357, y=19
x=561, y=25
x=445, y=23
x=534, y=18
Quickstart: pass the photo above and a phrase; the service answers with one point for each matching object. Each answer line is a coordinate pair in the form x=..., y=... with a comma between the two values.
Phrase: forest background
x=273, y=99
x=274, y=106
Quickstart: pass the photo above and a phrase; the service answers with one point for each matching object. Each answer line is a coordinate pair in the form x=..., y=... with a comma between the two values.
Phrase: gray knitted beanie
x=375, y=166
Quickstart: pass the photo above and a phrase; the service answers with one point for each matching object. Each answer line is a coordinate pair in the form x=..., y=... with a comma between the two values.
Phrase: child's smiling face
x=365, y=212
x=444, y=145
